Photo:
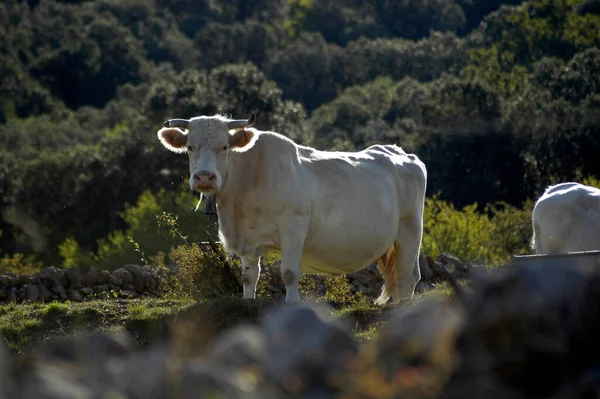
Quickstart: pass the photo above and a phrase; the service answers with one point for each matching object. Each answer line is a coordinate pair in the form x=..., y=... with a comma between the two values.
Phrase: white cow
x=566, y=218
x=323, y=212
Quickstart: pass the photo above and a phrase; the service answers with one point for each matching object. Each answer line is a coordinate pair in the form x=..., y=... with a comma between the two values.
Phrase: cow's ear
x=173, y=139
x=242, y=139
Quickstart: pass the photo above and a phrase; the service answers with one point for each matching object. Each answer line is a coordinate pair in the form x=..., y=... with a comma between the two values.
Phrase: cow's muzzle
x=204, y=181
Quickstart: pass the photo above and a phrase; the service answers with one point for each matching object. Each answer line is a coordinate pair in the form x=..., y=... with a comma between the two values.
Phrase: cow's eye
x=225, y=148
x=189, y=148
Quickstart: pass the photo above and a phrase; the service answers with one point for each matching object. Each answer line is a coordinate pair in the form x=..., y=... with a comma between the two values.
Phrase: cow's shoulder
x=560, y=188
x=385, y=149
x=571, y=190
x=569, y=197
x=274, y=143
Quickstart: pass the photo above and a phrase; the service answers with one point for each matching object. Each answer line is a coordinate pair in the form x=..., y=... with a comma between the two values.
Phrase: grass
x=368, y=317
x=193, y=325
x=24, y=325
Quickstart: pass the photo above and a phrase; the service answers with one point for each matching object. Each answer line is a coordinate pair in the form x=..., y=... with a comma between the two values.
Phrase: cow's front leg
x=292, y=245
x=250, y=273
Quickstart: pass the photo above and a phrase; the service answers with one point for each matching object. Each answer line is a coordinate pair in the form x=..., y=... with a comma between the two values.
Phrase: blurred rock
x=416, y=349
x=530, y=329
x=306, y=349
x=6, y=382
x=52, y=382
x=145, y=374
x=201, y=379
x=239, y=347
x=93, y=348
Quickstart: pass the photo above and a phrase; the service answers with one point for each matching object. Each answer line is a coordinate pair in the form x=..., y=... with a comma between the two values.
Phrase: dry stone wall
x=52, y=283
x=132, y=281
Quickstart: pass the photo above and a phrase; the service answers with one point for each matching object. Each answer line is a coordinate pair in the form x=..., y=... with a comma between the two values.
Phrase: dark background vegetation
x=498, y=98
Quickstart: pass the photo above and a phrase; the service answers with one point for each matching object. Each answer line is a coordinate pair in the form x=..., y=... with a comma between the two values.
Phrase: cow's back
x=566, y=218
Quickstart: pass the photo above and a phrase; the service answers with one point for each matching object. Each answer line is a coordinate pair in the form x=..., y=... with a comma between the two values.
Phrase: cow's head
x=208, y=142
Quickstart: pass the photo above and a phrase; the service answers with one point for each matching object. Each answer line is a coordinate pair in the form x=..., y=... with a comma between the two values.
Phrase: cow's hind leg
x=408, y=245
x=400, y=265
x=250, y=273
x=386, y=266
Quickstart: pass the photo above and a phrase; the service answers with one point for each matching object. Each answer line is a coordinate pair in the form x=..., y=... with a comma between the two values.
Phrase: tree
x=414, y=19
x=303, y=70
x=218, y=43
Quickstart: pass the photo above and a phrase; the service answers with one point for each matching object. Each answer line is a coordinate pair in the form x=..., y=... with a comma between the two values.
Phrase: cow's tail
x=387, y=267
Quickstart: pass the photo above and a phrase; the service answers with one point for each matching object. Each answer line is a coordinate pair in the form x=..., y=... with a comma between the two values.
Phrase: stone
x=73, y=276
x=101, y=288
x=305, y=344
x=52, y=276
x=423, y=286
x=90, y=347
x=151, y=281
x=52, y=382
x=144, y=374
x=12, y=294
x=32, y=292
x=535, y=326
x=423, y=334
x=142, y=278
x=93, y=277
x=59, y=290
x=22, y=293
x=105, y=276
x=86, y=291
x=240, y=347
x=8, y=280
x=74, y=295
x=425, y=267
x=43, y=291
x=452, y=265
x=202, y=379
x=6, y=383
x=76, y=286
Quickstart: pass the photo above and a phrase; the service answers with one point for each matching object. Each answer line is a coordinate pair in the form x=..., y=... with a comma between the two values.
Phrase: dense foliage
x=499, y=99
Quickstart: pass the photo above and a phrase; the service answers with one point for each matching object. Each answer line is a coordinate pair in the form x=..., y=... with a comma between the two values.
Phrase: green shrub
x=200, y=273
x=145, y=236
x=19, y=263
x=490, y=237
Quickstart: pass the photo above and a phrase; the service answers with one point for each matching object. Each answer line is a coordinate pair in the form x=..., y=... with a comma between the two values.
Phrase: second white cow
x=566, y=218
x=323, y=212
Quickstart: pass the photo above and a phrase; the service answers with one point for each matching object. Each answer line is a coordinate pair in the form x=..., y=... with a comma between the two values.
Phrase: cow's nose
x=204, y=178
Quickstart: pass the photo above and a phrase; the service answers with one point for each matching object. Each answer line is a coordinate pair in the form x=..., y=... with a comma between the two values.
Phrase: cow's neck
x=229, y=202
x=233, y=185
